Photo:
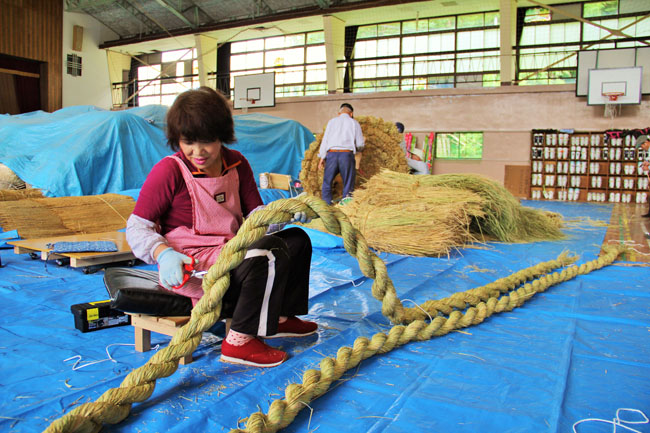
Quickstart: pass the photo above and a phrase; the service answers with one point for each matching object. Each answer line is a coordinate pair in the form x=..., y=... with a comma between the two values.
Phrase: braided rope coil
x=316, y=382
x=114, y=405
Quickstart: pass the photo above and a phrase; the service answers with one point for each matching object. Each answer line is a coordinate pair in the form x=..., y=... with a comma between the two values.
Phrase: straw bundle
x=9, y=180
x=399, y=214
x=19, y=194
x=505, y=218
x=59, y=216
x=381, y=151
x=431, y=215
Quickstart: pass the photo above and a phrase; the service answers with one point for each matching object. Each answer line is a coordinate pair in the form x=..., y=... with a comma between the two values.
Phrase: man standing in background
x=342, y=140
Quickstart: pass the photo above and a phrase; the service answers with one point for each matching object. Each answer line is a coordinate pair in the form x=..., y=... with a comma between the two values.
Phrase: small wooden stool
x=143, y=325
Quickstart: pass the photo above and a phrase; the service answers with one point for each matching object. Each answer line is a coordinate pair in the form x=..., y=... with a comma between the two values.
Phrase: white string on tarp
x=617, y=421
x=78, y=358
x=341, y=280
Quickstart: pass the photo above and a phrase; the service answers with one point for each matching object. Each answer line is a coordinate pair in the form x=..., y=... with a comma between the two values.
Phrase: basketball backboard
x=612, y=59
x=254, y=91
x=622, y=84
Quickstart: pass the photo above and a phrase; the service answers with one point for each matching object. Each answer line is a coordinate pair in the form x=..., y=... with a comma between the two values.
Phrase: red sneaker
x=255, y=353
x=294, y=327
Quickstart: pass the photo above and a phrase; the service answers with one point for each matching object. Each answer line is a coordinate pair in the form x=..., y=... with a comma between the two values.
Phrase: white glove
x=300, y=217
x=170, y=267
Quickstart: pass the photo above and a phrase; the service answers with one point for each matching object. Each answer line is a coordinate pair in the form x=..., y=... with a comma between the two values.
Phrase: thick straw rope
x=114, y=405
x=282, y=412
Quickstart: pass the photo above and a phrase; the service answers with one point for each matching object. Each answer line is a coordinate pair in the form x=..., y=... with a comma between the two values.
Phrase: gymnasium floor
x=579, y=350
x=628, y=226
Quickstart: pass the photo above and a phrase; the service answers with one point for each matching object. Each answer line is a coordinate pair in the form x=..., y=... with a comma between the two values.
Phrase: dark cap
x=346, y=105
x=640, y=140
x=400, y=126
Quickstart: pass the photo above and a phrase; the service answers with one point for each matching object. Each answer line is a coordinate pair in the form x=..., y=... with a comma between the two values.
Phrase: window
x=459, y=145
x=428, y=53
x=600, y=9
x=533, y=15
x=73, y=65
x=549, y=42
x=298, y=61
x=166, y=75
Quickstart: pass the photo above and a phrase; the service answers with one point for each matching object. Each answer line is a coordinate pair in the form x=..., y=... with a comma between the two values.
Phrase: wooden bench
x=36, y=247
x=278, y=181
x=143, y=325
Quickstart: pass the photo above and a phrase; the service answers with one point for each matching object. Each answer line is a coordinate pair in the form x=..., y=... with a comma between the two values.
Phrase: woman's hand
x=300, y=217
x=170, y=267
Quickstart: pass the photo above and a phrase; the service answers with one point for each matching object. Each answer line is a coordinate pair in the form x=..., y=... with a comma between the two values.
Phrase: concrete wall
x=93, y=87
x=506, y=116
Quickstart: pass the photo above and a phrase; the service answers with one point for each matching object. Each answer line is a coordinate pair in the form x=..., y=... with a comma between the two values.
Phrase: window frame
x=307, y=68
x=460, y=134
x=405, y=61
x=527, y=75
x=165, y=82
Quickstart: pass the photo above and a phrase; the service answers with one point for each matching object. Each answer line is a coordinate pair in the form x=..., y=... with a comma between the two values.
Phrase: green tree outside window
x=459, y=145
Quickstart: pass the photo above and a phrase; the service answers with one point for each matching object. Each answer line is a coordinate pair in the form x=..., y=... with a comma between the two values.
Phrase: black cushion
x=137, y=291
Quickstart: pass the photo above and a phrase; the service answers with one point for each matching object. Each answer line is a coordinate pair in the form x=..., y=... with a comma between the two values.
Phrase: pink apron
x=216, y=217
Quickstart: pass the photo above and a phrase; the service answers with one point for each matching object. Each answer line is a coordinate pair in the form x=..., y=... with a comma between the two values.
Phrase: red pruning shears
x=189, y=272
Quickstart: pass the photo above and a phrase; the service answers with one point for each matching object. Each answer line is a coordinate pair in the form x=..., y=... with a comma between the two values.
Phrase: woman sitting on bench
x=192, y=203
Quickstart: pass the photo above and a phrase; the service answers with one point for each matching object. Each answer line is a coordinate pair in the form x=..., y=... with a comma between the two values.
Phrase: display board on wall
x=613, y=58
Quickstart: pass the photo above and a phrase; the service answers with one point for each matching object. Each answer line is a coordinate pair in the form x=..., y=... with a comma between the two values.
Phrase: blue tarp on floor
x=579, y=350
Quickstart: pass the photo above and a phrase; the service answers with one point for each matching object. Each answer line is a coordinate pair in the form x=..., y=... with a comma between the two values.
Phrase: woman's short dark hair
x=202, y=114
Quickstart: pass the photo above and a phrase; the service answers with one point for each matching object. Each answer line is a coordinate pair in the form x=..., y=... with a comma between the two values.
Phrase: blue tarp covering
x=271, y=144
x=84, y=150
x=579, y=350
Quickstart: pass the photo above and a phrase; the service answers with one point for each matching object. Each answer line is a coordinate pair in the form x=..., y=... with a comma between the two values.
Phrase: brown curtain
x=223, y=68
x=350, y=40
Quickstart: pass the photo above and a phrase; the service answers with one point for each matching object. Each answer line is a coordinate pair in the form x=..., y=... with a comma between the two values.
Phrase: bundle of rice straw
x=60, y=216
x=381, y=151
x=9, y=180
x=505, y=219
x=430, y=215
x=399, y=214
x=19, y=194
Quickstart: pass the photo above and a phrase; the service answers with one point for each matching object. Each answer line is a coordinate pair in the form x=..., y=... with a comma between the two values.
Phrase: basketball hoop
x=249, y=101
x=612, y=108
x=613, y=96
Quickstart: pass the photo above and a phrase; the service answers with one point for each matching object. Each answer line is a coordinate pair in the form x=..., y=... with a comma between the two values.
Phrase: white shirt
x=342, y=132
x=420, y=167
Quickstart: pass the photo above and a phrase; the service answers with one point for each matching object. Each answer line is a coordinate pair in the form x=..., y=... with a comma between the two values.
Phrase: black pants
x=272, y=281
